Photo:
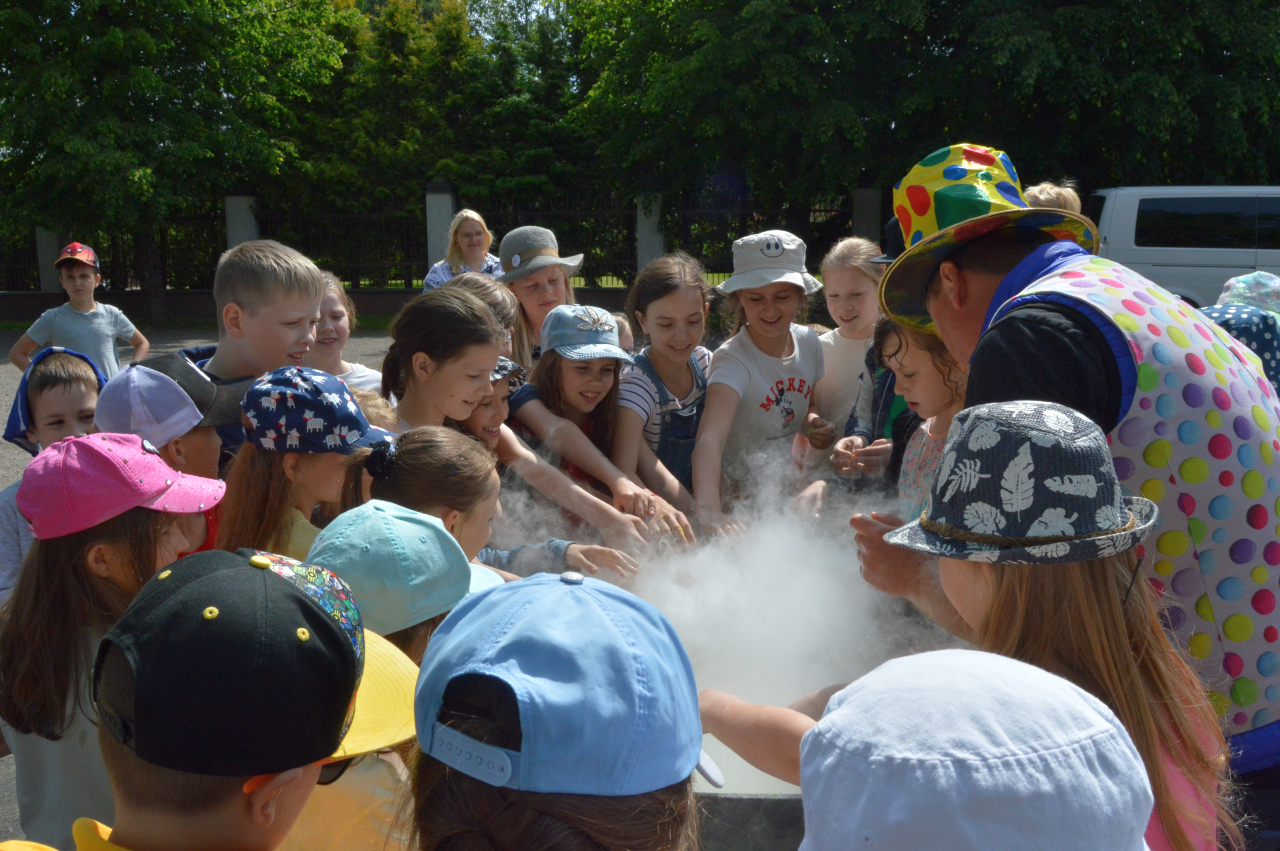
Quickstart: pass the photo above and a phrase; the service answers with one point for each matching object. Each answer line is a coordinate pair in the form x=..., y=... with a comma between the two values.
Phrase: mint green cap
x=403, y=566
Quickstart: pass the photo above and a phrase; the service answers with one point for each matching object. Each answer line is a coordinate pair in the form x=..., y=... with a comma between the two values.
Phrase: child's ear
x=450, y=519
x=423, y=366
x=290, y=462
x=263, y=799
x=173, y=454
x=233, y=319
x=644, y=329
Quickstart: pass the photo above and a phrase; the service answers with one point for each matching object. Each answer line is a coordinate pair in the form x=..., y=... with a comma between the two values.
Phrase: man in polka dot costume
x=1192, y=421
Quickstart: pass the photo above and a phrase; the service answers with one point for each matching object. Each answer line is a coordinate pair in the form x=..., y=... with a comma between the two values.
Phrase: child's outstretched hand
x=768, y=737
x=821, y=433
x=808, y=503
x=624, y=532
x=852, y=456
x=671, y=521
x=589, y=558
x=631, y=499
x=719, y=524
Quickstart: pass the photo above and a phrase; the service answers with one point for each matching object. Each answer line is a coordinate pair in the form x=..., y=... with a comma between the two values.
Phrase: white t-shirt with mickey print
x=774, y=397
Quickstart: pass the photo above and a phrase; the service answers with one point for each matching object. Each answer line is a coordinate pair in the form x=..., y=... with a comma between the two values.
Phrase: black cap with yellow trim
x=249, y=663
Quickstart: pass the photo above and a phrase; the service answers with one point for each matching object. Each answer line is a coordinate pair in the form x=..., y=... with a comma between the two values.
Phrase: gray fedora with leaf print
x=526, y=250
x=1026, y=483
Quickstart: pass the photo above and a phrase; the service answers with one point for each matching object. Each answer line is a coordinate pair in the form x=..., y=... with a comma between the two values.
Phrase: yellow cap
x=384, y=702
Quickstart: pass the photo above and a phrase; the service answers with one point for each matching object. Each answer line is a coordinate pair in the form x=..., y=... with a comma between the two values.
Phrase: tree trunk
x=146, y=266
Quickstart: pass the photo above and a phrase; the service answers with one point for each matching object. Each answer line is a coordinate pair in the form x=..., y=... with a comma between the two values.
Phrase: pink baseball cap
x=79, y=482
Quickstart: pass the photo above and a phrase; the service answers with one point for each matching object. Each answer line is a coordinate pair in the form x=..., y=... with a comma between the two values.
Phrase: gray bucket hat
x=528, y=249
x=1026, y=483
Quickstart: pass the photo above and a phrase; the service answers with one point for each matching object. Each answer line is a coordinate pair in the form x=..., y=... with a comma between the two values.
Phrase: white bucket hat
x=768, y=258
x=970, y=751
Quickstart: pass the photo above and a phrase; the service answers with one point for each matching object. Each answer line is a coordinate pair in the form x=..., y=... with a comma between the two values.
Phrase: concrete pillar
x=47, y=247
x=242, y=218
x=440, y=210
x=866, y=214
x=649, y=242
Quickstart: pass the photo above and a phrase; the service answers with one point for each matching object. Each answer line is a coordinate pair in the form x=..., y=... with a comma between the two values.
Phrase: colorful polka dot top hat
x=242, y=664
x=951, y=197
x=1027, y=483
x=299, y=409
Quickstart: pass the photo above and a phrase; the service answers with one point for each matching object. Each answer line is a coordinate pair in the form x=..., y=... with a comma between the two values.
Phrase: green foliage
x=122, y=112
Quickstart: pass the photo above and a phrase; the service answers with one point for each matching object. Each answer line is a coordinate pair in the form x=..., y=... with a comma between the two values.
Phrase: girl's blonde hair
x=454, y=256
x=495, y=296
x=1086, y=622
x=334, y=284
x=546, y=377
x=260, y=497
x=854, y=252
x=1058, y=196
x=522, y=337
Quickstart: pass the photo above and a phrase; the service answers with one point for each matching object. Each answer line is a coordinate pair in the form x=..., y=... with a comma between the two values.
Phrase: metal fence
x=364, y=250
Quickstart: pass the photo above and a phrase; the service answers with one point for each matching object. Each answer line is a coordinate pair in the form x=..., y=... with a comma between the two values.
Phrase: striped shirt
x=636, y=391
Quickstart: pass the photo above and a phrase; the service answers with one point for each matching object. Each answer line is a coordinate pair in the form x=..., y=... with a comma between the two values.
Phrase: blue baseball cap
x=15, y=430
x=608, y=703
x=969, y=751
x=299, y=409
x=403, y=566
x=579, y=332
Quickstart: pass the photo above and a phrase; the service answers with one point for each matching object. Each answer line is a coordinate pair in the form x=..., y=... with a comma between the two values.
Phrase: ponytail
x=440, y=324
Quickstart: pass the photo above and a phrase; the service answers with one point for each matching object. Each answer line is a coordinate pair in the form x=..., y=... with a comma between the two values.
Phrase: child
x=660, y=398
x=377, y=411
x=444, y=344
x=541, y=281
x=446, y=473
x=499, y=299
x=487, y=423
x=569, y=407
x=55, y=399
x=1059, y=196
x=1036, y=545
x=850, y=284
x=337, y=321
x=626, y=340
x=580, y=704
x=81, y=324
x=407, y=572
x=102, y=509
x=933, y=385
x=1249, y=310
x=469, y=242
x=300, y=426
x=952, y=749
x=762, y=378
x=230, y=689
x=174, y=406
x=268, y=299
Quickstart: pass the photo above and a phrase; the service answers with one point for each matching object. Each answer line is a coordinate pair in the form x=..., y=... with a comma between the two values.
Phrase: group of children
x=251, y=601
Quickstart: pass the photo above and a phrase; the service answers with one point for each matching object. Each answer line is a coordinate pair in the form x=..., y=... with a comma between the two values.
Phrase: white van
x=1190, y=239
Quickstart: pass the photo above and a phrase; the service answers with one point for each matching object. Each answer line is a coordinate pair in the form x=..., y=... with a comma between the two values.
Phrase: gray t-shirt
x=15, y=539
x=59, y=782
x=93, y=333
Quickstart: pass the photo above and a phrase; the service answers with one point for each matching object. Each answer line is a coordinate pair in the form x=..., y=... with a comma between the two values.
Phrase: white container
x=1190, y=239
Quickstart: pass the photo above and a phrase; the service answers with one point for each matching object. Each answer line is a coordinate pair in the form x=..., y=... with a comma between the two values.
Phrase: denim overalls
x=679, y=432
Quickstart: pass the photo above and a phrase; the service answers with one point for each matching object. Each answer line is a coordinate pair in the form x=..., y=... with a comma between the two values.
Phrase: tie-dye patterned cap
x=1026, y=483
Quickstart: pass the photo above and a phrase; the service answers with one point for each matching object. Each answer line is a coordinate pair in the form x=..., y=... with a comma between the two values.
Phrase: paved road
x=368, y=349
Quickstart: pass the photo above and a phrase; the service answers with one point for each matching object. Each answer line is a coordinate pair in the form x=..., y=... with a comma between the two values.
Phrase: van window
x=1269, y=222
x=1196, y=222
x=1093, y=208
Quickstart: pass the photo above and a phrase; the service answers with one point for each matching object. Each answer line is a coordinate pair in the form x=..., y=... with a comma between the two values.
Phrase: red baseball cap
x=78, y=252
x=79, y=482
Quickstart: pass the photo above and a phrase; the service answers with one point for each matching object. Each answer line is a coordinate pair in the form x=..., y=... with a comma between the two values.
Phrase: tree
x=122, y=113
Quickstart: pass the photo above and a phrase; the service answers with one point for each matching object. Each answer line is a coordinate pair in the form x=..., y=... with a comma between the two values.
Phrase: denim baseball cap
x=402, y=565
x=579, y=332
x=608, y=703
x=961, y=749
